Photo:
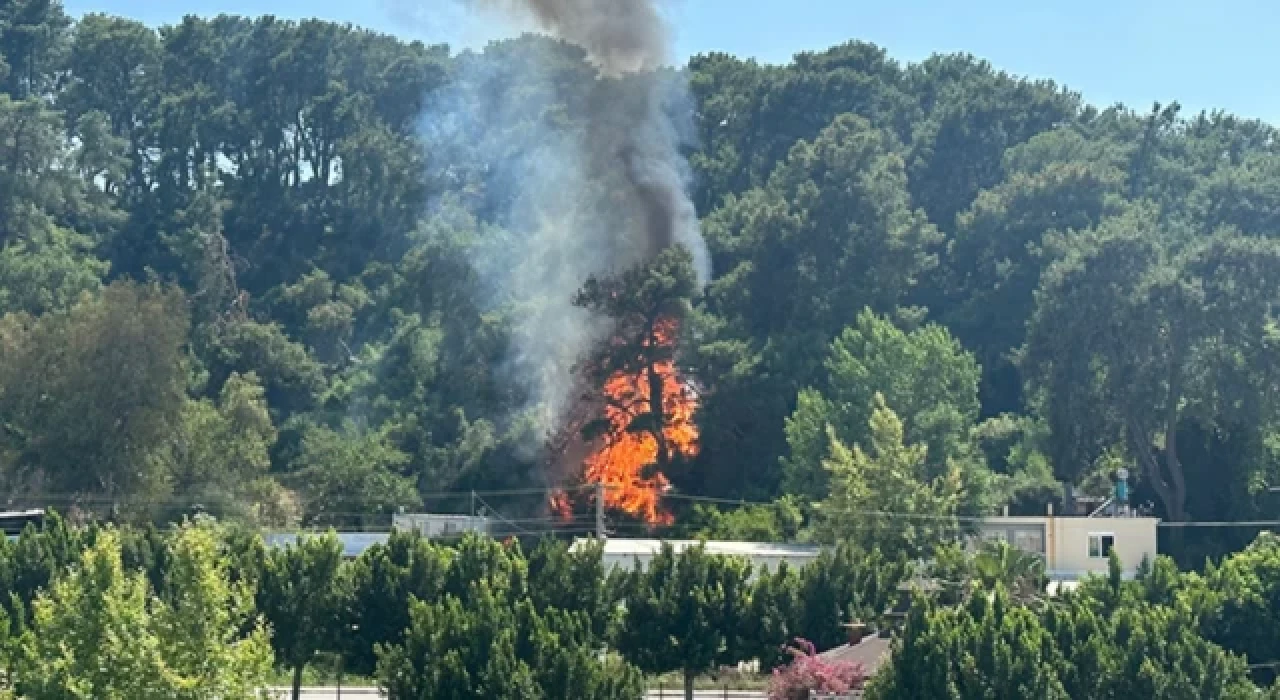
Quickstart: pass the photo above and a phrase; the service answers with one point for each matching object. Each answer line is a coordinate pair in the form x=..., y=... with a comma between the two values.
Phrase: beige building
x=1075, y=546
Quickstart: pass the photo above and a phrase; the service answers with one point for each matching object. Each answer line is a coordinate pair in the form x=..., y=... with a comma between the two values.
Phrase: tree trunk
x=659, y=417
x=1177, y=509
x=297, y=681
x=1169, y=482
x=688, y=684
x=657, y=402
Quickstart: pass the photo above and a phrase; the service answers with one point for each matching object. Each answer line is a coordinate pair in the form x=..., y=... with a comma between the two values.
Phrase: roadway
x=372, y=694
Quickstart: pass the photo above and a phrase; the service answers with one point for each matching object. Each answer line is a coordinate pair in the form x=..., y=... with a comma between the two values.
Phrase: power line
x=496, y=514
x=1221, y=523
x=70, y=497
x=483, y=496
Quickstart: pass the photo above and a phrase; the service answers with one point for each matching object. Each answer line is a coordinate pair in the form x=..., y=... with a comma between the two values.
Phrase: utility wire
x=483, y=496
x=498, y=515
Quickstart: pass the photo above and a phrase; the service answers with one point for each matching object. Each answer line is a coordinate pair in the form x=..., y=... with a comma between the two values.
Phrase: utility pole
x=600, y=534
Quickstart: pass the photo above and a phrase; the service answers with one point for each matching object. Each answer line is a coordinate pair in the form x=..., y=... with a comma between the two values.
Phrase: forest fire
x=628, y=459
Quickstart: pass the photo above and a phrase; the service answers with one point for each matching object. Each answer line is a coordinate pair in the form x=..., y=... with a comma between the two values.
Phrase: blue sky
x=1204, y=53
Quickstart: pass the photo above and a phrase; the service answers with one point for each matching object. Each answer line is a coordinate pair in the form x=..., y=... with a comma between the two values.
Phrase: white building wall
x=433, y=525
x=1134, y=540
x=1065, y=541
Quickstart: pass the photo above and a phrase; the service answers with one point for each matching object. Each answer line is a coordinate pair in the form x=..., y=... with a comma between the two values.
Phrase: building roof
x=353, y=543
x=868, y=653
x=647, y=547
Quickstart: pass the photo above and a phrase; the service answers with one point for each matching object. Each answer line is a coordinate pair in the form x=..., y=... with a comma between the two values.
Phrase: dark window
x=1100, y=546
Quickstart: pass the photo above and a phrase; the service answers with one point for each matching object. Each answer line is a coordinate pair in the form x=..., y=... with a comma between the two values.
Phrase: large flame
x=626, y=461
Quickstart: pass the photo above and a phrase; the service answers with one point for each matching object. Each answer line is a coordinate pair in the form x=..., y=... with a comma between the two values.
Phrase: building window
x=1029, y=541
x=1100, y=545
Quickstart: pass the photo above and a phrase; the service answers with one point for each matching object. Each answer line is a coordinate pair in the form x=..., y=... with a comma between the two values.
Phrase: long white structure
x=625, y=553
x=353, y=543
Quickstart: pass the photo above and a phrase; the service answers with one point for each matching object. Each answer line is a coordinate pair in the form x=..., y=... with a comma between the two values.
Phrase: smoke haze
x=590, y=192
x=620, y=36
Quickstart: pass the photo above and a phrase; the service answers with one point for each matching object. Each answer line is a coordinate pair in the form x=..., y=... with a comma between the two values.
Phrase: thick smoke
x=582, y=165
x=621, y=36
x=629, y=131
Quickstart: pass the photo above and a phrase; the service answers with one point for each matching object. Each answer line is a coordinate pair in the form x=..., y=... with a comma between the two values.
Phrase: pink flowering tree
x=809, y=672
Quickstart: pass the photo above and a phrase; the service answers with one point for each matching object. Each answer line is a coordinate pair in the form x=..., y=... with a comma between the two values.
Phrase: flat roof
x=353, y=543
x=1039, y=519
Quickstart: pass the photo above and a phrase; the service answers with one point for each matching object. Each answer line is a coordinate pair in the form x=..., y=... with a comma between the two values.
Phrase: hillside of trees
x=238, y=274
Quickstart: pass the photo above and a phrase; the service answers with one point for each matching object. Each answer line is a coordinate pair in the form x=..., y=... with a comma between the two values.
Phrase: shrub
x=809, y=672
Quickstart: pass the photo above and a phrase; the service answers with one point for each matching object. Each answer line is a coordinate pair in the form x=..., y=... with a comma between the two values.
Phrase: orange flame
x=625, y=463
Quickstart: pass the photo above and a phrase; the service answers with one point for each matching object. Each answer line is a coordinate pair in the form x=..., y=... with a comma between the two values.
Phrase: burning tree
x=647, y=420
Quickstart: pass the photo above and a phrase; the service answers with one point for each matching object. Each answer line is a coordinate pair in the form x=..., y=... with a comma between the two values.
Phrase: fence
x=851, y=695
x=724, y=693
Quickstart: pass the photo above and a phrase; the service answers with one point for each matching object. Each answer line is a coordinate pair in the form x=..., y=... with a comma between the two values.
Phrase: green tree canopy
x=685, y=612
x=923, y=375
x=882, y=497
x=1133, y=335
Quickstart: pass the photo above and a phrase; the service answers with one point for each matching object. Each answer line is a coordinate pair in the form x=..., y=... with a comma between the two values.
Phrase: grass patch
x=730, y=679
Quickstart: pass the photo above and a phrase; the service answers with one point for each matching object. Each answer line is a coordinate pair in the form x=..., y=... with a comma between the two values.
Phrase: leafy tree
x=833, y=226
x=202, y=620
x=347, y=477
x=34, y=35
x=303, y=594
x=844, y=585
x=994, y=261
x=34, y=560
x=384, y=580
x=972, y=115
x=987, y=649
x=750, y=115
x=923, y=375
x=1184, y=337
x=292, y=379
x=102, y=383
x=882, y=498
x=102, y=632
x=643, y=303
x=1235, y=598
x=1171, y=660
x=685, y=612
x=780, y=521
x=500, y=564
x=220, y=450
x=991, y=647
x=775, y=615
x=49, y=271
x=575, y=581
x=496, y=647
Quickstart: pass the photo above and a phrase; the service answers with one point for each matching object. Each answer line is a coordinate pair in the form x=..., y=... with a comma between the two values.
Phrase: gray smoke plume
x=628, y=130
x=583, y=167
x=621, y=36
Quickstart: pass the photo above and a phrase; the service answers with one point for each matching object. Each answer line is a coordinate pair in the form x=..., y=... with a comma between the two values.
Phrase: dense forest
x=246, y=269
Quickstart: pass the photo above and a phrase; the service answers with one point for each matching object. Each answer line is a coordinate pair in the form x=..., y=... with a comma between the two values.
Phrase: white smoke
x=581, y=149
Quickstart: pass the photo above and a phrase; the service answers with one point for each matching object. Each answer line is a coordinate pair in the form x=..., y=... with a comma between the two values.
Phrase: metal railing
x=723, y=693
